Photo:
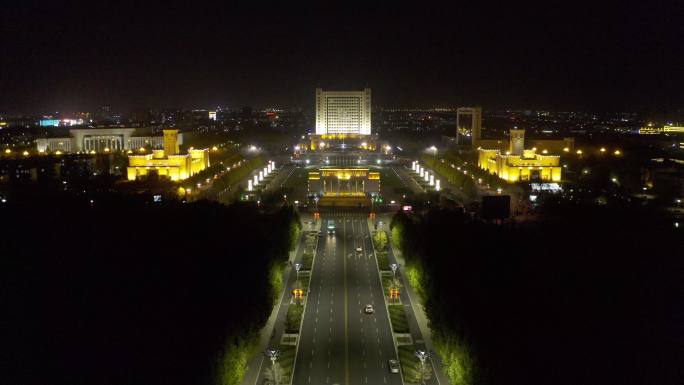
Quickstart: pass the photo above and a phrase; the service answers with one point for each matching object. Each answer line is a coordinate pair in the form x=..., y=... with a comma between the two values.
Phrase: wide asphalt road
x=339, y=343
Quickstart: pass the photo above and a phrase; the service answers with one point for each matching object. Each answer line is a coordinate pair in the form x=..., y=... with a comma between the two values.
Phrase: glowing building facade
x=343, y=112
x=475, y=132
x=168, y=162
x=518, y=164
x=101, y=139
x=666, y=129
x=344, y=182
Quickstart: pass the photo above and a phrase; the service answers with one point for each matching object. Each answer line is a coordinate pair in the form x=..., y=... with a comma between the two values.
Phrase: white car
x=393, y=366
x=359, y=249
x=368, y=309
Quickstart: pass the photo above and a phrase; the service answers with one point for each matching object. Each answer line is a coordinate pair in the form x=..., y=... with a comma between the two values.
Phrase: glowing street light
x=432, y=180
x=256, y=180
x=250, y=187
x=273, y=354
x=394, y=268
x=297, y=266
x=437, y=185
x=261, y=176
x=422, y=356
x=427, y=176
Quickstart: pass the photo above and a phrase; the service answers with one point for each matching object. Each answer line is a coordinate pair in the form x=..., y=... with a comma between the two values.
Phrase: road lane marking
x=346, y=305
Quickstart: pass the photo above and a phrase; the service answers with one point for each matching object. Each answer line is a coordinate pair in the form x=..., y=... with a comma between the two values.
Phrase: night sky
x=600, y=56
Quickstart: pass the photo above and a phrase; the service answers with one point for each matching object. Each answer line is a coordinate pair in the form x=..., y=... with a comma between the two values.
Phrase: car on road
x=393, y=366
x=359, y=249
x=368, y=309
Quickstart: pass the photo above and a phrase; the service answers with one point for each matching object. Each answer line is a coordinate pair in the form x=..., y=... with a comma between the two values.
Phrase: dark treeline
x=590, y=296
x=126, y=292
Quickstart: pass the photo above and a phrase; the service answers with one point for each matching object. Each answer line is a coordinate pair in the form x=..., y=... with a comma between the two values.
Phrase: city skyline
x=462, y=194
x=616, y=58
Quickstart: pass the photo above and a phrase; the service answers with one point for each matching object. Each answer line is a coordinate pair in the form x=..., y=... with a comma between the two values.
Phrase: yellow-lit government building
x=344, y=182
x=518, y=164
x=168, y=162
x=344, y=186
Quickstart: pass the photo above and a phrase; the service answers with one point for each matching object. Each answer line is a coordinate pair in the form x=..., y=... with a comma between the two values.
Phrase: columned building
x=344, y=182
x=101, y=139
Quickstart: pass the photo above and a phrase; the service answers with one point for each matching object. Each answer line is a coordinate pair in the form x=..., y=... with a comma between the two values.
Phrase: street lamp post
x=394, y=267
x=422, y=356
x=273, y=355
x=297, y=266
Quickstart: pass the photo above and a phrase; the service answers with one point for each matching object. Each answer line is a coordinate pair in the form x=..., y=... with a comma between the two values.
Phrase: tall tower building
x=171, y=142
x=475, y=114
x=517, y=142
x=343, y=112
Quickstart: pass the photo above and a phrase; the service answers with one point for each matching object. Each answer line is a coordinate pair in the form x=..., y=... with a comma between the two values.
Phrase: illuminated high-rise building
x=343, y=112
